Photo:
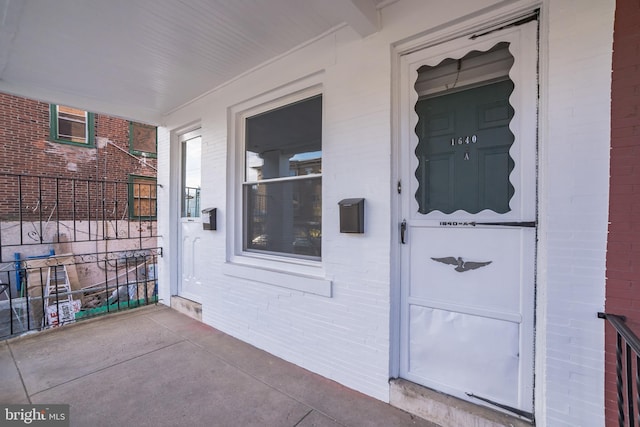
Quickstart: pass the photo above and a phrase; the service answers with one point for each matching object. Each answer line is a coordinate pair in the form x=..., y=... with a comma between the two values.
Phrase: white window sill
x=299, y=281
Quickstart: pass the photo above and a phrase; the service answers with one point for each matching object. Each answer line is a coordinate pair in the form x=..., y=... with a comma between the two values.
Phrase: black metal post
x=73, y=212
x=115, y=207
x=619, y=381
x=103, y=190
x=57, y=208
x=106, y=284
x=39, y=205
x=20, y=207
x=89, y=207
x=638, y=386
x=630, y=398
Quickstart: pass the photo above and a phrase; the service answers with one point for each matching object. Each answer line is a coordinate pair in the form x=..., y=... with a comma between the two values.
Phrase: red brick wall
x=26, y=148
x=623, y=249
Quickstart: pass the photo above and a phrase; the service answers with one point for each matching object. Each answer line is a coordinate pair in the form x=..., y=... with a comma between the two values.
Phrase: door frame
x=490, y=21
x=183, y=137
x=175, y=207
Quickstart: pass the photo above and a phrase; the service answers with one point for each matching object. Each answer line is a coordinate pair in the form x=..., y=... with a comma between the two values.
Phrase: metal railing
x=627, y=371
x=72, y=248
x=191, y=202
x=42, y=210
x=53, y=291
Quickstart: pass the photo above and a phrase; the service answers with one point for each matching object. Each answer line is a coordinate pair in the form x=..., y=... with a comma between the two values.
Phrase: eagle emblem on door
x=462, y=265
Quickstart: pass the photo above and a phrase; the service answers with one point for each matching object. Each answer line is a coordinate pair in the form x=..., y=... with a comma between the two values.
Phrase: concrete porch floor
x=156, y=367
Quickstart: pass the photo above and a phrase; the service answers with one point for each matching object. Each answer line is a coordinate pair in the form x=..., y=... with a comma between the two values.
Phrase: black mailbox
x=209, y=219
x=351, y=215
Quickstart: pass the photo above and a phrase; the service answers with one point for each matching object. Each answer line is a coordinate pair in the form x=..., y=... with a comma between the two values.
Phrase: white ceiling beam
x=361, y=15
x=10, y=12
x=105, y=105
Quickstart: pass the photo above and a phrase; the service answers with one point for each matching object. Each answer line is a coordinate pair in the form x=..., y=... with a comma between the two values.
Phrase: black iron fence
x=72, y=248
x=41, y=210
x=46, y=292
x=627, y=371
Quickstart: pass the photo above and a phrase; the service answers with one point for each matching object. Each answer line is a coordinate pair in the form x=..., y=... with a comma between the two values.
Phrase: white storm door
x=190, y=226
x=468, y=170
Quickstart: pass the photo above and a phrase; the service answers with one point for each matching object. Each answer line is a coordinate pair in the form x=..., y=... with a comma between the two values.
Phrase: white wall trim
x=484, y=20
x=312, y=285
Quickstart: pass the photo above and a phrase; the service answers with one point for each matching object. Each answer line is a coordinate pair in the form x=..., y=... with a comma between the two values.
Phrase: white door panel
x=445, y=353
x=191, y=280
x=493, y=287
x=190, y=224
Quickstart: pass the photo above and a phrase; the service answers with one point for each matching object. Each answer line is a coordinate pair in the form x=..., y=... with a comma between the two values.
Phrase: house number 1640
x=464, y=140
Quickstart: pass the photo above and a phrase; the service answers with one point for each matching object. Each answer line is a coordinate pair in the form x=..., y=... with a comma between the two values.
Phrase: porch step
x=445, y=410
x=187, y=307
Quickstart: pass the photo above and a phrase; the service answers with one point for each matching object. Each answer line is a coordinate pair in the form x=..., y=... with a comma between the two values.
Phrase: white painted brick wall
x=347, y=337
x=164, y=225
x=574, y=208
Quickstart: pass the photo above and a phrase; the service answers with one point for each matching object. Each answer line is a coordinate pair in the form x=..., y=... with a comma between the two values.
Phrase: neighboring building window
x=142, y=197
x=282, y=189
x=143, y=139
x=71, y=125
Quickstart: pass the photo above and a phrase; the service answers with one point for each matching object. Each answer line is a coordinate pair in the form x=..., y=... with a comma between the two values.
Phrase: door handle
x=509, y=223
x=403, y=230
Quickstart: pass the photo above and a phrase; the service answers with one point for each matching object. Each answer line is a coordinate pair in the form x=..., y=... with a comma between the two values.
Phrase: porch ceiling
x=141, y=59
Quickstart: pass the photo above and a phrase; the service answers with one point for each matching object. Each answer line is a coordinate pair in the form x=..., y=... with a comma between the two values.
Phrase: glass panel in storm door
x=463, y=150
x=191, y=176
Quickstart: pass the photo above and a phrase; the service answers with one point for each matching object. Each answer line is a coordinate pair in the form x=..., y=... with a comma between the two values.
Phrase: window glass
x=70, y=125
x=285, y=141
x=464, y=138
x=283, y=184
x=285, y=216
x=191, y=173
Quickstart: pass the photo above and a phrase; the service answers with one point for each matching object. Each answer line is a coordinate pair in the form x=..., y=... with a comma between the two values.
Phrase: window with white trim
x=282, y=186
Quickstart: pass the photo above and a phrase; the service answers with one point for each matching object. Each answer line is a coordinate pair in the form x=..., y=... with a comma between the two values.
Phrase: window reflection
x=191, y=176
x=283, y=187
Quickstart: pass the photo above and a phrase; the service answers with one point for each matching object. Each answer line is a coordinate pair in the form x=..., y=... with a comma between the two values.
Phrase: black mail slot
x=209, y=219
x=351, y=215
